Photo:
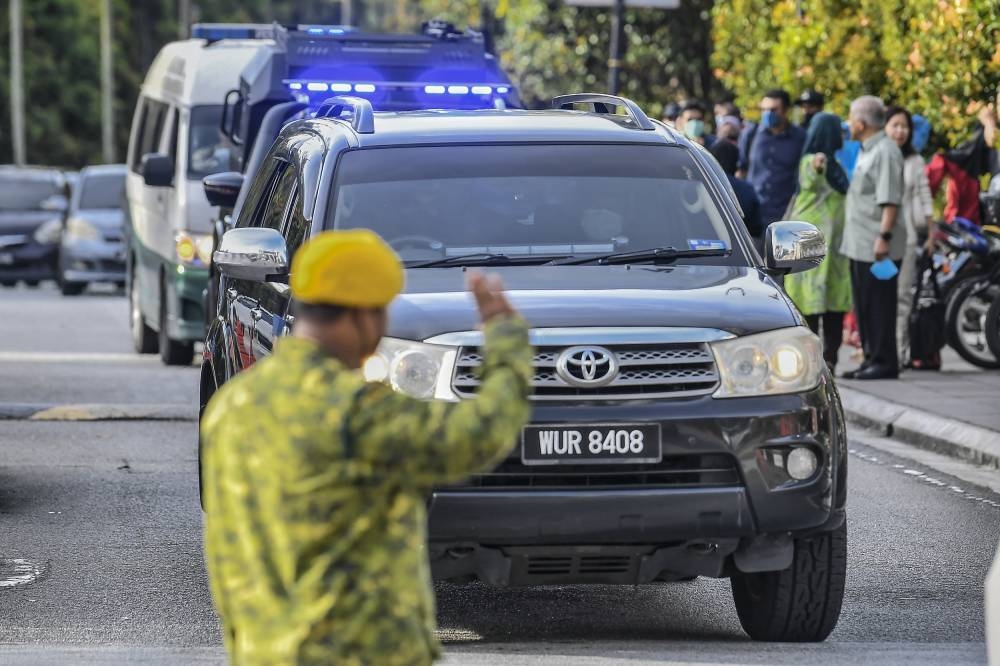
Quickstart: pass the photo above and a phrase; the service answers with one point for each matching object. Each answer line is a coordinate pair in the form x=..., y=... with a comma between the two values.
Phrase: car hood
x=730, y=298
x=102, y=219
x=24, y=221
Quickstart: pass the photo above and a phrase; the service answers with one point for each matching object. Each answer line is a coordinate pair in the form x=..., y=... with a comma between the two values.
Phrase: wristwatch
x=886, y=236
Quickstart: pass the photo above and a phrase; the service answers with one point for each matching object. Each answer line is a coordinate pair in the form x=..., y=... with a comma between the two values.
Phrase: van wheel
x=143, y=337
x=172, y=352
x=802, y=603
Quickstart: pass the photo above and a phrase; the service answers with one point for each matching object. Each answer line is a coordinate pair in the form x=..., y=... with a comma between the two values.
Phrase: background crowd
x=865, y=184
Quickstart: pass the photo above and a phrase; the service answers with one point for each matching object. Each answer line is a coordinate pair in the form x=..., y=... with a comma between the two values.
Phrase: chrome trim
x=598, y=335
x=254, y=254
x=589, y=360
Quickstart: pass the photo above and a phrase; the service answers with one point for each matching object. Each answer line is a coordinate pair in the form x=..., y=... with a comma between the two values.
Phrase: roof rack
x=213, y=32
x=600, y=103
x=362, y=115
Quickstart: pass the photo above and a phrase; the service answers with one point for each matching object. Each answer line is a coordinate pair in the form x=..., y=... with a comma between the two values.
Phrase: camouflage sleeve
x=430, y=443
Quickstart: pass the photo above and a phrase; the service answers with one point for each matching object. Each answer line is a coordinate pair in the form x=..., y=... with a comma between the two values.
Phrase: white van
x=176, y=142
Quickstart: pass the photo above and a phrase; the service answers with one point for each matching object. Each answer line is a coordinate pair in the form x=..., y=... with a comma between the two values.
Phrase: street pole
x=17, y=83
x=346, y=12
x=107, y=86
x=183, y=18
x=615, y=61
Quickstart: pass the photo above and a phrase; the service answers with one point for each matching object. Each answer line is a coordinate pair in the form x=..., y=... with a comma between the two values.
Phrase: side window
x=296, y=227
x=174, y=127
x=154, y=116
x=281, y=194
x=140, y=131
x=259, y=194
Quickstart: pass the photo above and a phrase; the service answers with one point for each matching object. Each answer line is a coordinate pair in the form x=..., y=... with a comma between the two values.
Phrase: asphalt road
x=100, y=538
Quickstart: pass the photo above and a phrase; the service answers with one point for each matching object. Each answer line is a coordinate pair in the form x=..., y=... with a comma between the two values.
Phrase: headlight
x=414, y=368
x=193, y=249
x=788, y=360
x=49, y=232
x=82, y=230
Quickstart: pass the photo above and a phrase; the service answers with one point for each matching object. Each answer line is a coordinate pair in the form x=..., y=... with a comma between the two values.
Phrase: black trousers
x=833, y=333
x=875, y=306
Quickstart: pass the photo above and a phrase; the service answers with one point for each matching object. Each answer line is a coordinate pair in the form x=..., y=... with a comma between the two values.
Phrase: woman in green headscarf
x=823, y=294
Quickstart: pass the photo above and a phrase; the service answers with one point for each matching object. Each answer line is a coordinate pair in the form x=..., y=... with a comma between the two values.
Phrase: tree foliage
x=940, y=58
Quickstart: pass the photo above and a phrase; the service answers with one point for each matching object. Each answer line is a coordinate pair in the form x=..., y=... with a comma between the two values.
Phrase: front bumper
x=507, y=511
x=186, y=289
x=92, y=261
x=28, y=261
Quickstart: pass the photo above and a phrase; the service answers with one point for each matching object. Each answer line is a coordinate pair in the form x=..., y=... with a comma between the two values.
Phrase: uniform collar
x=870, y=142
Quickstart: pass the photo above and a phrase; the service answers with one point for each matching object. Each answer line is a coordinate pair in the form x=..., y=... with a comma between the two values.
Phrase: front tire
x=802, y=603
x=965, y=322
x=172, y=352
x=143, y=337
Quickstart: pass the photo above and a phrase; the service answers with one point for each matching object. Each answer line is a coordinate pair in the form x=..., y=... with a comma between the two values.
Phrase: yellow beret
x=352, y=268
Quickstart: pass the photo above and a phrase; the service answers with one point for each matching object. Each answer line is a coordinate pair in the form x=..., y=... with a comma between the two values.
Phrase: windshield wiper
x=489, y=259
x=653, y=254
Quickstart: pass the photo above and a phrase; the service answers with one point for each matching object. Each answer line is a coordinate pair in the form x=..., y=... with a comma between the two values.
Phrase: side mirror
x=222, y=189
x=157, y=170
x=253, y=254
x=793, y=247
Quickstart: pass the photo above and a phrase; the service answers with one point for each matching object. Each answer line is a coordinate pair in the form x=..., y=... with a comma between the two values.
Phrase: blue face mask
x=694, y=129
x=770, y=119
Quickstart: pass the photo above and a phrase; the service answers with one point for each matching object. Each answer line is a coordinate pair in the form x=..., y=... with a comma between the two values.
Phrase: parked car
x=175, y=142
x=92, y=248
x=683, y=424
x=32, y=206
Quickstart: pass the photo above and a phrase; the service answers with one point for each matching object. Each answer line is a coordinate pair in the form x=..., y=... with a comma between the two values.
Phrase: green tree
x=939, y=58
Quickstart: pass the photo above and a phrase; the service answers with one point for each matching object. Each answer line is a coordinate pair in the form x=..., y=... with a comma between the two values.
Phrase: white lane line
x=18, y=572
x=72, y=357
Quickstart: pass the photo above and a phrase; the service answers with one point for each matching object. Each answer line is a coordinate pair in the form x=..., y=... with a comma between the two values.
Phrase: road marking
x=18, y=572
x=72, y=357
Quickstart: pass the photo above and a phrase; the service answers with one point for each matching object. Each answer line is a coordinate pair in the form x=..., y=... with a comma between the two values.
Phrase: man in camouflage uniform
x=316, y=481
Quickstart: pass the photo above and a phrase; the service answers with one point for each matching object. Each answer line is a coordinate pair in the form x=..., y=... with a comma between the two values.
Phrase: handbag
x=926, y=322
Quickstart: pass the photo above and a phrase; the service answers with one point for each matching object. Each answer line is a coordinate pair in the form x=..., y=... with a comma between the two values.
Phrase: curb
x=950, y=437
x=97, y=412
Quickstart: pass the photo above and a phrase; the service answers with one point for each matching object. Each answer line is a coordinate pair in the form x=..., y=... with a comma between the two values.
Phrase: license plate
x=6, y=258
x=590, y=444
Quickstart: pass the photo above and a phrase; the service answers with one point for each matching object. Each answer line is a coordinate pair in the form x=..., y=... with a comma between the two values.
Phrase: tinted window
x=529, y=199
x=102, y=191
x=297, y=227
x=26, y=194
x=282, y=192
x=154, y=117
x=206, y=152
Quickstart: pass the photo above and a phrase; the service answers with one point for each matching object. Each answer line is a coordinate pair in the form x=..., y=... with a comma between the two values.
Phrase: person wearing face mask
x=916, y=214
x=316, y=481
x=770, y=154
x=873, y=240
x=692, y=123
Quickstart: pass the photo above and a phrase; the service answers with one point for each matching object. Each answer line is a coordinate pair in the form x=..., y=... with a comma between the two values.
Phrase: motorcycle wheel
x=992, y=326
x=965, y=322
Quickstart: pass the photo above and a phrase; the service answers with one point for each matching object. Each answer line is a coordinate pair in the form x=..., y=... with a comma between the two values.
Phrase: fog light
x=801, y=463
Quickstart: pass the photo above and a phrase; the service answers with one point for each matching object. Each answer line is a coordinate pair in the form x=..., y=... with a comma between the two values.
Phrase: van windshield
x=434, y=202
x=104, y=191
x=206, y=152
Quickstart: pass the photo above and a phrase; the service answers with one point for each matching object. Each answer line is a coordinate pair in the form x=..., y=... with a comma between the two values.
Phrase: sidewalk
x=955, y=411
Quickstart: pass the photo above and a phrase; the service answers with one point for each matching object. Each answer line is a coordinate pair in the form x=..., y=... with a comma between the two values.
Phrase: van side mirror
x=257, y=254
x=157, y=170
x=793, y=247
x=222, y=189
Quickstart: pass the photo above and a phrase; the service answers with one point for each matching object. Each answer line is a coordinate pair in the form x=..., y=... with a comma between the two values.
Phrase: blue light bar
x=503, y=90
x=295, y=86
x=319, y=87
x=316, y=31
x=434, y=90
x=340, y=87
x=458, y=90
x=364, y=88
x=482, y=90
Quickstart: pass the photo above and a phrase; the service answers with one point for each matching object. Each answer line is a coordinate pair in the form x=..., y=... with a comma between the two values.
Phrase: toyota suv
x=683, y=421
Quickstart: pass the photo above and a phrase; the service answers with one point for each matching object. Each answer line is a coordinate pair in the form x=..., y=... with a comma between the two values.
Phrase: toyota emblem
x=587, y=367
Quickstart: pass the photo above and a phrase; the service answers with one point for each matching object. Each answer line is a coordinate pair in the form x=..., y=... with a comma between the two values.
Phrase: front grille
x=586, y=565
x=645, y=371
x=699, y=471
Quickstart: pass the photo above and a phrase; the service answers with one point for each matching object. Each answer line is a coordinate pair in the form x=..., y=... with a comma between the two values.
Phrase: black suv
x=684, y=423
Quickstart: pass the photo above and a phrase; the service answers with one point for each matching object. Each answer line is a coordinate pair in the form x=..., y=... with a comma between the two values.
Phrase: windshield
x=206, y=152
x=104, y=191
x=26, y=194
x=517, y=200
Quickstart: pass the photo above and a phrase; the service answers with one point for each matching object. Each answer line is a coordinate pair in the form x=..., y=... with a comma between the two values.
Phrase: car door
x=251, y=305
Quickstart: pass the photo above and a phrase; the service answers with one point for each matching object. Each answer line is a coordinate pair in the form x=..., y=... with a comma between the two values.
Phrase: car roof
x=197, y=72
x=103, y=169
x=507, y=125
x=31, y=172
